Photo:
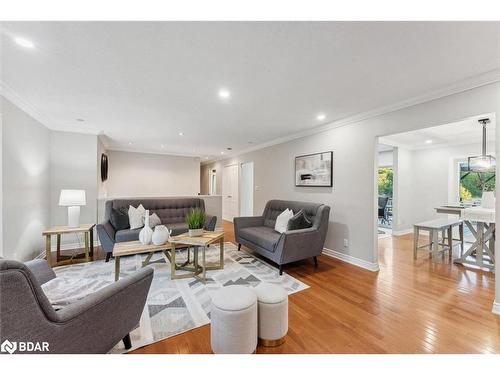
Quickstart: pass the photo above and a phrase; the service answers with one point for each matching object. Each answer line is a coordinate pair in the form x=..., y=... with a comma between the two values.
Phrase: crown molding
x=470, y=83
x=12, y=96
x=152, y=152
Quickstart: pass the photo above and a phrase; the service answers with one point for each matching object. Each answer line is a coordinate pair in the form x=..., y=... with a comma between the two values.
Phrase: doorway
x=230, y=200
x=246, y=189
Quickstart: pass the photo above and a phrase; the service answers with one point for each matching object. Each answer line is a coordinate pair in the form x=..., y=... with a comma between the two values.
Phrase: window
x=472, y=184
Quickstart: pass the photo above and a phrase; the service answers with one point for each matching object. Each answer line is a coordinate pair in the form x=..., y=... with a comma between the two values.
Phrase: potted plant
x=195, y=221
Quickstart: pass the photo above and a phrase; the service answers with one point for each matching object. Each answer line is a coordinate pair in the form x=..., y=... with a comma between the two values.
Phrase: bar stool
x=434, y=227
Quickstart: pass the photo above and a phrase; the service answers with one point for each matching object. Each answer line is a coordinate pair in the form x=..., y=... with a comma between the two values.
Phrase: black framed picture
x=104, y=167
x=314, y=169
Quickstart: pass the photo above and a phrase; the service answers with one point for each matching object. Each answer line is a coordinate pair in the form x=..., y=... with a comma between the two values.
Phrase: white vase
x=195, y=232
x=160, y=235
x=146, y=233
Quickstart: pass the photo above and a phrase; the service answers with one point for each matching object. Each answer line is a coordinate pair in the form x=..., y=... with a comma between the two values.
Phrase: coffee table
x=194, y=268
x=198, y=243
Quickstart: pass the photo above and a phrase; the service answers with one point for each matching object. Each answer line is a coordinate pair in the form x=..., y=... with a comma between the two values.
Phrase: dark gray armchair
x=258, y=234
x=94, y=324
x=171, y=211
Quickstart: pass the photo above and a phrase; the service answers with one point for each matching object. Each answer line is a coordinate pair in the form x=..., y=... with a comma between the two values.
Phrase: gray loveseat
x=92, y=325
x=171, y=211
x=258, y=234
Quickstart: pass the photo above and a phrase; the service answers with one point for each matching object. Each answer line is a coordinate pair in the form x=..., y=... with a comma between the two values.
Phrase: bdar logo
x=9, y=347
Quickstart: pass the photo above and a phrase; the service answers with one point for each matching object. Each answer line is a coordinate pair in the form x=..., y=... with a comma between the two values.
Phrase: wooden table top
x=136, y=247
x=62, y=229
x=207, y=238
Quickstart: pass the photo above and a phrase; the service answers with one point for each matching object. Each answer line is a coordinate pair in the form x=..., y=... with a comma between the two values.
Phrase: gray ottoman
x=234, y=320
x=273, y=314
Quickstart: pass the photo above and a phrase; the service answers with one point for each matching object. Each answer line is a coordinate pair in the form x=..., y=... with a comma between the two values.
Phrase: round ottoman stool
x=234, y=320
x=273, y=314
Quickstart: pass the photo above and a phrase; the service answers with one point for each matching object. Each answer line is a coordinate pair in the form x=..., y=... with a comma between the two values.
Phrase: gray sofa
x=258, y=234
x=171, y=211
x=94, y=324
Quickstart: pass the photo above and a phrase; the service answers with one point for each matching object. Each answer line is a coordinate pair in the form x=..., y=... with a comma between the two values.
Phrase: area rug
x=172, y=306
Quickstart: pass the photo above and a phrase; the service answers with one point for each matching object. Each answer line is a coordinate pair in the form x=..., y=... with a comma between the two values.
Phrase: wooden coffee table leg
x=117, y=268
x=221, y=245
x=172, y=263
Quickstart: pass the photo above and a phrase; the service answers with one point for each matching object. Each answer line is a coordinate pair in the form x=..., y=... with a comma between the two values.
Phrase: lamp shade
x=72, y=198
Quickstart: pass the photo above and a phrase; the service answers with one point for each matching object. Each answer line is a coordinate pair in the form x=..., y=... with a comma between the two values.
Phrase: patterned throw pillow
x=136, y=216
x=299, y=221
x=154, y=220
x=119, y=218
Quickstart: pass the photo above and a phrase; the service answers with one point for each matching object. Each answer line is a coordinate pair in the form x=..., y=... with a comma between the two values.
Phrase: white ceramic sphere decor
x=146, y=233
x=160, y=235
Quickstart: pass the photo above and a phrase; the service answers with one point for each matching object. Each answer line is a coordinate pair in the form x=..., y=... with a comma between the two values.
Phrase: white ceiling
x=144, y=82
x=467, y=131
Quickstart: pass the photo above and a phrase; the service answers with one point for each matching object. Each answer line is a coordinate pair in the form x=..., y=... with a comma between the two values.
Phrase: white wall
x=133, y=174
x=25, y=183
x=352, y=199
x=428, y=178
x=385, y=158
x=73, y=166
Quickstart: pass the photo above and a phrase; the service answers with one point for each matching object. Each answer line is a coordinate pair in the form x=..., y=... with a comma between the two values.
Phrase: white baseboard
x=352, y=260
x=496, y=308
x=402, y=232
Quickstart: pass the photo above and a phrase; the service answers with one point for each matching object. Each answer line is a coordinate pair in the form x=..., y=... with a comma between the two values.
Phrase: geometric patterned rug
x=172, y=306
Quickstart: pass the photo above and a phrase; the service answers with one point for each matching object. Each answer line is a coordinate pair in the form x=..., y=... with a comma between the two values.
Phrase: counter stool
x=273, y=314
x=434, y=228
x=234, y=320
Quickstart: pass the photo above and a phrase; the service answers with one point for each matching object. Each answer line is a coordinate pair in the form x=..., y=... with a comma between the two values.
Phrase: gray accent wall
x=25, y=183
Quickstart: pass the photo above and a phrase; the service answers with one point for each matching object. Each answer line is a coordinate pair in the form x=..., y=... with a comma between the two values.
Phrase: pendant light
x=483, y=163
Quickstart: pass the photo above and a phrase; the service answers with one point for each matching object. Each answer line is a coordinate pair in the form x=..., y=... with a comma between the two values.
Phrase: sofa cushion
x=119, y=218
x=299, y=221
x=264, y=237
x=276, y=207
x=127, y=235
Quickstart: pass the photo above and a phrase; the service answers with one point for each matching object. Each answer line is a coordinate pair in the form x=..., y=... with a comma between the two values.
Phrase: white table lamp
x=73, y=199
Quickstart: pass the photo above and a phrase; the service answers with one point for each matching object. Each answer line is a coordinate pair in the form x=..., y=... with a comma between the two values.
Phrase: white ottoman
x=234, y=320
x=273, y=314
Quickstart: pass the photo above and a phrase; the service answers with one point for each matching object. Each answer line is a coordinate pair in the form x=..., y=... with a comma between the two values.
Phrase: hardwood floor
x=407, y=307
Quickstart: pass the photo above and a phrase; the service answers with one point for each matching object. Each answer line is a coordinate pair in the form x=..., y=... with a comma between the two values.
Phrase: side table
x=58, y=231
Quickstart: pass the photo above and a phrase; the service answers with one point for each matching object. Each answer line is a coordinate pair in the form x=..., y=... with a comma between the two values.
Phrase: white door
x=230, y=192
x=246, y=189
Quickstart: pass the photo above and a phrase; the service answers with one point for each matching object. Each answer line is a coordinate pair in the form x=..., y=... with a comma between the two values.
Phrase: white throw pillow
x=136, y=216
x=282, y=220
x=154, y=220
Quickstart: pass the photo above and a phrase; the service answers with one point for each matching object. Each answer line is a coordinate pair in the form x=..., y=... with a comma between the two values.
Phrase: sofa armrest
x=299, y=244
x=106, y=234
x=210, y=222
x=113, y=300
x=41, y=270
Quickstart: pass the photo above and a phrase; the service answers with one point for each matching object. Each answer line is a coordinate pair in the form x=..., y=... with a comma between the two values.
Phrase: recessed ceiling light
x=429, y=141
x=229, y=148
x=130, y=143
x=24, y=42
x=181, y=134
x=162, y=146
x=321, y=117
x=224, y=93
x=80, y=120
x=222, y=152
x=206, y=157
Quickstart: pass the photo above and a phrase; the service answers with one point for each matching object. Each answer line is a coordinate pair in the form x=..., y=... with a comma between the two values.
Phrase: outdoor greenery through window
x=385, y=181
x=472, y=184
